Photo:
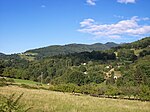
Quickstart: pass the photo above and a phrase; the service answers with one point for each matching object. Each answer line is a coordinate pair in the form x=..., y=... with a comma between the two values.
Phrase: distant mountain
x=70, y=48
x=111, y=44
x=2, y=54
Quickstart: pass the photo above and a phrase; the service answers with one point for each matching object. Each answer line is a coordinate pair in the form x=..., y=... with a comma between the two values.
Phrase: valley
x=116, y=79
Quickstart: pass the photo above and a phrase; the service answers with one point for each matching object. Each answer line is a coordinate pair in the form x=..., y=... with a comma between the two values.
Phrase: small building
x=115, y=77
x=109, y=66
x=85, y=72
x=84, y=63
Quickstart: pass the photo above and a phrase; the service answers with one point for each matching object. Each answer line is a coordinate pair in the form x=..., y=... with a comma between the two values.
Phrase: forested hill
x=2, y=55
x=70, y=48
x=140, y=44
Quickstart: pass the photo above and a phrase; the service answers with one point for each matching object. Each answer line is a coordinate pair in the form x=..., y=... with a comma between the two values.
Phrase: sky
x=29, y=24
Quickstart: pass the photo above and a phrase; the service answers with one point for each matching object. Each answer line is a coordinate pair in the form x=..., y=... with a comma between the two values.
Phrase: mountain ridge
x=70, y=48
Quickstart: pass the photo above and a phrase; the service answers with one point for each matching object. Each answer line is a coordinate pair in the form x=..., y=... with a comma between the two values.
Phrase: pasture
x=50, y=101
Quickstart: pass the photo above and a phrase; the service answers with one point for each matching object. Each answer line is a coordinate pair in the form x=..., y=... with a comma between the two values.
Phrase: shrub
x=12, y=104
x=6, y=81
x=144, y=93
x=3, y=81
x=65, y=88
x=10, y=80
x=28, y=86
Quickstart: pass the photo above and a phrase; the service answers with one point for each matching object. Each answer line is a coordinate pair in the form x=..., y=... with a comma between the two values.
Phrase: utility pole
x=41, y=77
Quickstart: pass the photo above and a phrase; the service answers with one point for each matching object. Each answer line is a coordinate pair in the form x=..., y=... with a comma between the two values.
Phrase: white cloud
x=118, y=16
x=124, y=27
x=91, y=2
x=87, y=22
x=43, y=6
x=126, y=1
x=146, y=18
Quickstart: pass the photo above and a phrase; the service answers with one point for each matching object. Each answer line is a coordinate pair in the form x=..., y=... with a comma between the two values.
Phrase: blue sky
x=28, y=24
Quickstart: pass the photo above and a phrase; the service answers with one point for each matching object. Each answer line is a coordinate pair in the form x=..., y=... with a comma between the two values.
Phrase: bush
x=76, y=77
x=88, y=89
x=28, y=86
x=144, y=93
x=10, y=80
x=65, y=88
x=6, y=81
x=112, y=91
x=12, y=104
x=3, y=81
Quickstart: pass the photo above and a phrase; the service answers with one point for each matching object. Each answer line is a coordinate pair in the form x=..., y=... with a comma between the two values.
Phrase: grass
x=117, y=73
x=29, y=57
x=28, y=82
x=50, y=101
x=138, y=51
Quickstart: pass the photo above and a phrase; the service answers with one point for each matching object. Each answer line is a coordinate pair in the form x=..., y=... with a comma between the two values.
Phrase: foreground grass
x=50, y=101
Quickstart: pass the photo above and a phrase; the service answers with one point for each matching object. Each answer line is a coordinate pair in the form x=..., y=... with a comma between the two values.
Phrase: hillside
x=140, y=48
x=140, y=44
x=2, y=55
x=119, y=71
x=50, y=101
x=70, y=48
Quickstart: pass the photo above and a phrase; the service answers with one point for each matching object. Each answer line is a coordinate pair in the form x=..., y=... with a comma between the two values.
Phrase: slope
x=70, y=48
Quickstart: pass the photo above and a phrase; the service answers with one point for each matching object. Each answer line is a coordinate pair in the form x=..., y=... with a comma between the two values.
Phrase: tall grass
x=12, y=104
x=50, y=101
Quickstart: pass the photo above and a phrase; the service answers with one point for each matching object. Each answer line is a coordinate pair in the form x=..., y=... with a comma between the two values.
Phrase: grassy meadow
x=28, y=82
x=50, y=101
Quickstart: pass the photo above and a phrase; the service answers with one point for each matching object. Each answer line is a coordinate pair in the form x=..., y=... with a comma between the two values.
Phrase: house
x=115, y=77
x=84, y=63
x=107, y=67
x=85, y=72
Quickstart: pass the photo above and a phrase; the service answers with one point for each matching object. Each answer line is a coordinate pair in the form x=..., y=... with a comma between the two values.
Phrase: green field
x=50, y=101
x=28, y=82
x=28, y=56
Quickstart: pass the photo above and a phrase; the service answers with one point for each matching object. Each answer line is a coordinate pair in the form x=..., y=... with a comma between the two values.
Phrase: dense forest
x=121, y=70
x=67, y=49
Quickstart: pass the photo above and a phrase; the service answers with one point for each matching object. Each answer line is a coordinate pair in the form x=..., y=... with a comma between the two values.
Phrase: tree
x=1, y=69
x=76, y=77
x=112, y=91
x=144, y=53
x=94, y=77
x=144, y=93
x=82, y=68
x=127, y=91
x=110, y=80
x=127, y=55
x=138, y=76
